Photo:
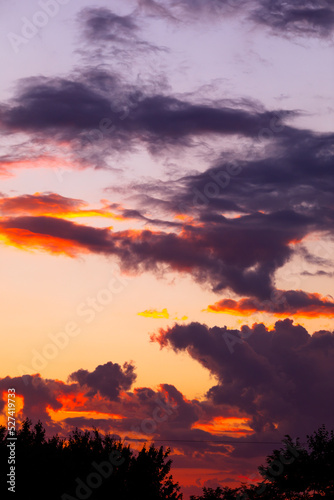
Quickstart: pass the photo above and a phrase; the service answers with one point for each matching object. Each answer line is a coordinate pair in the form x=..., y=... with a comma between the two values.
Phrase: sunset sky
x=166, y=223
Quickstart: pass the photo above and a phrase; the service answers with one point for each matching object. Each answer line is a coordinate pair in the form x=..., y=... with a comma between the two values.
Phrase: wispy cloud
x=295, y=18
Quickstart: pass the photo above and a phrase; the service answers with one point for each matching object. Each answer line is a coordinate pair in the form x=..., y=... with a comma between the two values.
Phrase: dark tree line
x=293, y=472
x=86, y=465
x=89, y=465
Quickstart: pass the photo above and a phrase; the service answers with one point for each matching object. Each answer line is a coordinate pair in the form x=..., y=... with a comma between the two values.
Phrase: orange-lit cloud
x=41, y=161
x=60, y=415
x=72, y=401
x=28, y=240
x=52, y=205
x=196, y=251
x=18, y=399
x=60, y=236
x=185, y=218
x=11, y=411
x=294, y=303
x=221, y=425
x=152, y=313
x=230, y=306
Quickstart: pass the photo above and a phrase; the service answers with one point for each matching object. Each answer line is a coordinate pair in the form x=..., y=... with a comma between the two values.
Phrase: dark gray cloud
x=163, y=413
x=279, y=381
x=265, y=205
x=200, y=251
x=95, y=115
x=318, y=273
x=136, y=214
x=199, y=245
x=77, y=109
x=297, y=175
x=108, y=379
x=103, y=24
x=281, y=194
x=282, y=377
x=107, y=36
x=278, y=199
x=296, y=18
x=194, y=10
x=56, y=105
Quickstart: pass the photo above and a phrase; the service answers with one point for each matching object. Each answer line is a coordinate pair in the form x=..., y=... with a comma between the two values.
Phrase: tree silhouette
x=321, y=479
x=86, y=465
x=292, y=472
x=225, y=493
x=95, y=466
x=305, y=472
